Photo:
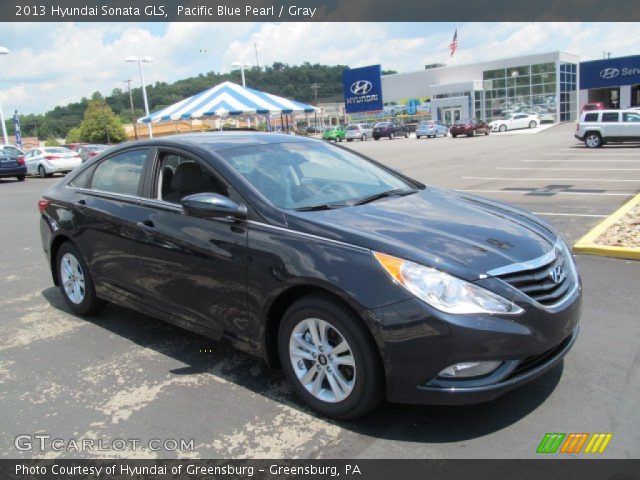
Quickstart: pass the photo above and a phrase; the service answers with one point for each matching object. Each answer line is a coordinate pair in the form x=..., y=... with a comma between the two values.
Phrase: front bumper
x=417, y=342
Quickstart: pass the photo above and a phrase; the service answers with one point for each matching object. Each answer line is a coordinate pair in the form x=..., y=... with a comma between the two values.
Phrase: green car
x=337, y=134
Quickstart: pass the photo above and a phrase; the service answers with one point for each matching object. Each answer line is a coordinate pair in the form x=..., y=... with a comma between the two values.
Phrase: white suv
x=600, y=126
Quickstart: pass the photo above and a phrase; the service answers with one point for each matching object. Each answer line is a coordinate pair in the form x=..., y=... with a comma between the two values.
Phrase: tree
x=51, y=142
x=100, y=124
x=74, y=135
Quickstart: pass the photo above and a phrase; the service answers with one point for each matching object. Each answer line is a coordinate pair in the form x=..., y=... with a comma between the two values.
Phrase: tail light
x=43, y=204
x=51, y=157
x=20, y=160
x=577, y=126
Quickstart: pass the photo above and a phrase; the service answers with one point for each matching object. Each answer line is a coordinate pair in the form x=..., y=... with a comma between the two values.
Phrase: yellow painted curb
x=587, y=243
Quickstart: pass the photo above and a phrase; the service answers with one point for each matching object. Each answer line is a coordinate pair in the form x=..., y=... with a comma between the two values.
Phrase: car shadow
x=412, y=423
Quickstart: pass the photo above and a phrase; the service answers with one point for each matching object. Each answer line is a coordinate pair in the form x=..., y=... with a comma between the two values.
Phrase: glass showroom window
x=568, y=86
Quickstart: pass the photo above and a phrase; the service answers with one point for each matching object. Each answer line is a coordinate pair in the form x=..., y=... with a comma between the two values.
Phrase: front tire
x=502, y=128
x=532, y=124
x=21, y=178
x=363, y=138
x=392, y=136
x=330, y=358
x=593, y=140
x=75, y=282
x=42, y=173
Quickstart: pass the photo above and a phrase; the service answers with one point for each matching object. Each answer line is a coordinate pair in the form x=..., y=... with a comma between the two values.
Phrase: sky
x=53, y=64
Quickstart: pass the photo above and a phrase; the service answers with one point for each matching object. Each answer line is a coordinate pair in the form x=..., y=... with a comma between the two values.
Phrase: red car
x=73, y=146
x=593, y=106
x=469, y=128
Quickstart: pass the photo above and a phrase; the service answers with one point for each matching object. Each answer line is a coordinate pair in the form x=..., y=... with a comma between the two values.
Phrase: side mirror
x=212, y=205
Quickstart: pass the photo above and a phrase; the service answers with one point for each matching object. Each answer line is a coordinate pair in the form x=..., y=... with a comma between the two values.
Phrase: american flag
x=453, y=46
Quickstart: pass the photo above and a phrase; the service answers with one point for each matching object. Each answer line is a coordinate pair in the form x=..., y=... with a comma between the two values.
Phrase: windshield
x=303, y=175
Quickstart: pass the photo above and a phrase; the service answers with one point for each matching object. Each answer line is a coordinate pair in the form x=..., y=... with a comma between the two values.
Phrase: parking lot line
x=555, y=179
x=573, y=169
x=595, y=154
x=574, y=160
x=550, y=193
x=554, y=214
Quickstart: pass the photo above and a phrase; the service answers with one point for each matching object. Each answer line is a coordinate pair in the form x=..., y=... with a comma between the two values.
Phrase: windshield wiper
x=322, y=206
x=400, y=192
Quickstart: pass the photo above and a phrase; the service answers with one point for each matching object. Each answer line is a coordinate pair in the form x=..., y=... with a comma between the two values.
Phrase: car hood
x=459, y=233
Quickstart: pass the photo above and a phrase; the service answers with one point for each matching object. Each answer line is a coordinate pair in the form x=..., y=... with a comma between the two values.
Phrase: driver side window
x=180, y=176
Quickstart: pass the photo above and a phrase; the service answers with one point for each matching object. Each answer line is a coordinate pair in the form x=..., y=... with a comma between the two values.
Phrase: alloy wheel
x=592, y=140
x=72, y=278
x=322, y=360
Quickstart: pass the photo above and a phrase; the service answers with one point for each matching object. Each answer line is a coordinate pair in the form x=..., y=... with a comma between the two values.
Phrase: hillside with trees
x=309, y=83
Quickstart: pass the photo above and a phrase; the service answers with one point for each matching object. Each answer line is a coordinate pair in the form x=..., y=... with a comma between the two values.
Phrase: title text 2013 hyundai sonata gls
x=360, y=282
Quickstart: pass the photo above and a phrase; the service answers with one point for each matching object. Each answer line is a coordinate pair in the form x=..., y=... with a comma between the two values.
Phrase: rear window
x=353, y=127
x=631, y=117
x=591, y=117
x=610, y=117
x=56, y=150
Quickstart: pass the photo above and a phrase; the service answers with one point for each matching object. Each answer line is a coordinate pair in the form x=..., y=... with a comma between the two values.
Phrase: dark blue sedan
x=12, y=164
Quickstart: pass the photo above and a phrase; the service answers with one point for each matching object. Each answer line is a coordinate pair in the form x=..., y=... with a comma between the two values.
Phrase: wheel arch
x=288, y=297
x=56, y=243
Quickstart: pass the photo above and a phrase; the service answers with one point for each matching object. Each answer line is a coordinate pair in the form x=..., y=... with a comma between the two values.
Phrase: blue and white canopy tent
x=227, y=99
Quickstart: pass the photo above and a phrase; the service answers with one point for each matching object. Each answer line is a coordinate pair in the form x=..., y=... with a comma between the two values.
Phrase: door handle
x=146, y=226
x=81, y=203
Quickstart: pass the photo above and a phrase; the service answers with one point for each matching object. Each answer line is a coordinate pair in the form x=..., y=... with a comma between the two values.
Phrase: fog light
x=469, y=369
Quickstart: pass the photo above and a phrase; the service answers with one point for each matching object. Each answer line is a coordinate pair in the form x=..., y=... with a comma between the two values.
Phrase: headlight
x=443, y=291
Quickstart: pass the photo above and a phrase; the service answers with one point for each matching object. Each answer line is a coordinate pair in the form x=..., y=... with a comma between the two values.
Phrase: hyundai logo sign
x=609, y=73
x=361, y=87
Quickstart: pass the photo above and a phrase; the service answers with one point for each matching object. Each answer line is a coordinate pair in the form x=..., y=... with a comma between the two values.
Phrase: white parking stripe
x=552, y=214
x=550, y=192
x=573, y=169
x=555, y=179
x=597, y=154
x=578, y=160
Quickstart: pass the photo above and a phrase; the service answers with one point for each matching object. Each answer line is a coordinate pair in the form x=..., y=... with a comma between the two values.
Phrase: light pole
x=140, y=61
x=241, y=65
x=133, y=115
x=5, y=137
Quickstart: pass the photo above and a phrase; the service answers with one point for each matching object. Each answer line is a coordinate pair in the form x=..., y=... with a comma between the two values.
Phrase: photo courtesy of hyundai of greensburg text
x=312, y=239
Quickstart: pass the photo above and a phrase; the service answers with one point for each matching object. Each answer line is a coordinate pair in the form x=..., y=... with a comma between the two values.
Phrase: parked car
x=469, y=128
x=587, y=107
x=361, y=282
x=515, y=121
x=12, y=148
x=46, y=161
x=315, y=129
x=596, y=128
x=73, y=146
x=431, y=129
x=362, y=131
x=12, y=164
x=335, y=133
x=411, y=126
x=89, y=151
x=389, y=130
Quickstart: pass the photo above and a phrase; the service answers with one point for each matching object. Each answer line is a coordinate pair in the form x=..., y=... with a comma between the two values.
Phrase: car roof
x=224, y=140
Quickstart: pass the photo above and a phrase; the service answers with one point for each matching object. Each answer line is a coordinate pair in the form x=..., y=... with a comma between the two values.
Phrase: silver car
x=362, y=131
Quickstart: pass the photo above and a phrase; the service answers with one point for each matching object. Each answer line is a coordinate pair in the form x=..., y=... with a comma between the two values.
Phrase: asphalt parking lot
x=123, y=375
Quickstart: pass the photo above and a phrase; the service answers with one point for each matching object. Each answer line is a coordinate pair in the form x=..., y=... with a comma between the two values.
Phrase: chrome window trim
x=308, y=235
x=104, y=193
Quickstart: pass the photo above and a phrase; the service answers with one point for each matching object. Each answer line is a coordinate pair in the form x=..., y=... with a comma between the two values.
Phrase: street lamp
x=5, y=137
x=140, y=61
x=241, y=65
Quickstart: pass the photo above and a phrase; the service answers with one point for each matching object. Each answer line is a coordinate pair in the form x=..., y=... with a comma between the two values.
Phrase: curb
x=587, y=243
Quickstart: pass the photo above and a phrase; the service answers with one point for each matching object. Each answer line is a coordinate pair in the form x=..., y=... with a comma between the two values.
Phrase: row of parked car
x=45, y=161
x=426, y=128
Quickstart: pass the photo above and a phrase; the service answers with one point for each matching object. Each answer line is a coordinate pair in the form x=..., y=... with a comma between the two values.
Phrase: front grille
x=548, y=282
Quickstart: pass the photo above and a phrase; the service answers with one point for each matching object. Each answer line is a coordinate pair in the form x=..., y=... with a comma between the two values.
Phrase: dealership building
x=614, y=82
x=545, y=84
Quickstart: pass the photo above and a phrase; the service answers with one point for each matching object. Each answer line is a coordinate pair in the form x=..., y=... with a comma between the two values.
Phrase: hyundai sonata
x=362, y=283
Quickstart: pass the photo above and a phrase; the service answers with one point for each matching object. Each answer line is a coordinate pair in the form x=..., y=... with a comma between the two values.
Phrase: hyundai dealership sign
x=613, y=72
x=362, y=89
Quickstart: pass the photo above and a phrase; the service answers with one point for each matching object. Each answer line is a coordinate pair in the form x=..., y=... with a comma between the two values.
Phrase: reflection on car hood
x=459, y=233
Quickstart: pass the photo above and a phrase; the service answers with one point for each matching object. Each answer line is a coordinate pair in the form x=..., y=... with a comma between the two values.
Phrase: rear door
x=193, y=268
x=612, y=125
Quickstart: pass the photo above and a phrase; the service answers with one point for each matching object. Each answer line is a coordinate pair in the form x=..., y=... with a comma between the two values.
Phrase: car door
x=106, y=208
x=32, y=161
x=520, y=121
x=194, y=268
x=631, y=125
x=612, y=125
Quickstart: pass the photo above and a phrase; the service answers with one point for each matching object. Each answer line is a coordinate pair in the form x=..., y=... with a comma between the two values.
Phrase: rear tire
x=347, y=385
x=42, y=173
x=532, y=124
x=502, y=128
x=417, y=137
x=406, y=135
x=75, y=282
x=392, y=136
x=454, y=135
x=363, y=138
x=376, y=138
x=349, y=139
x=21, y=178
